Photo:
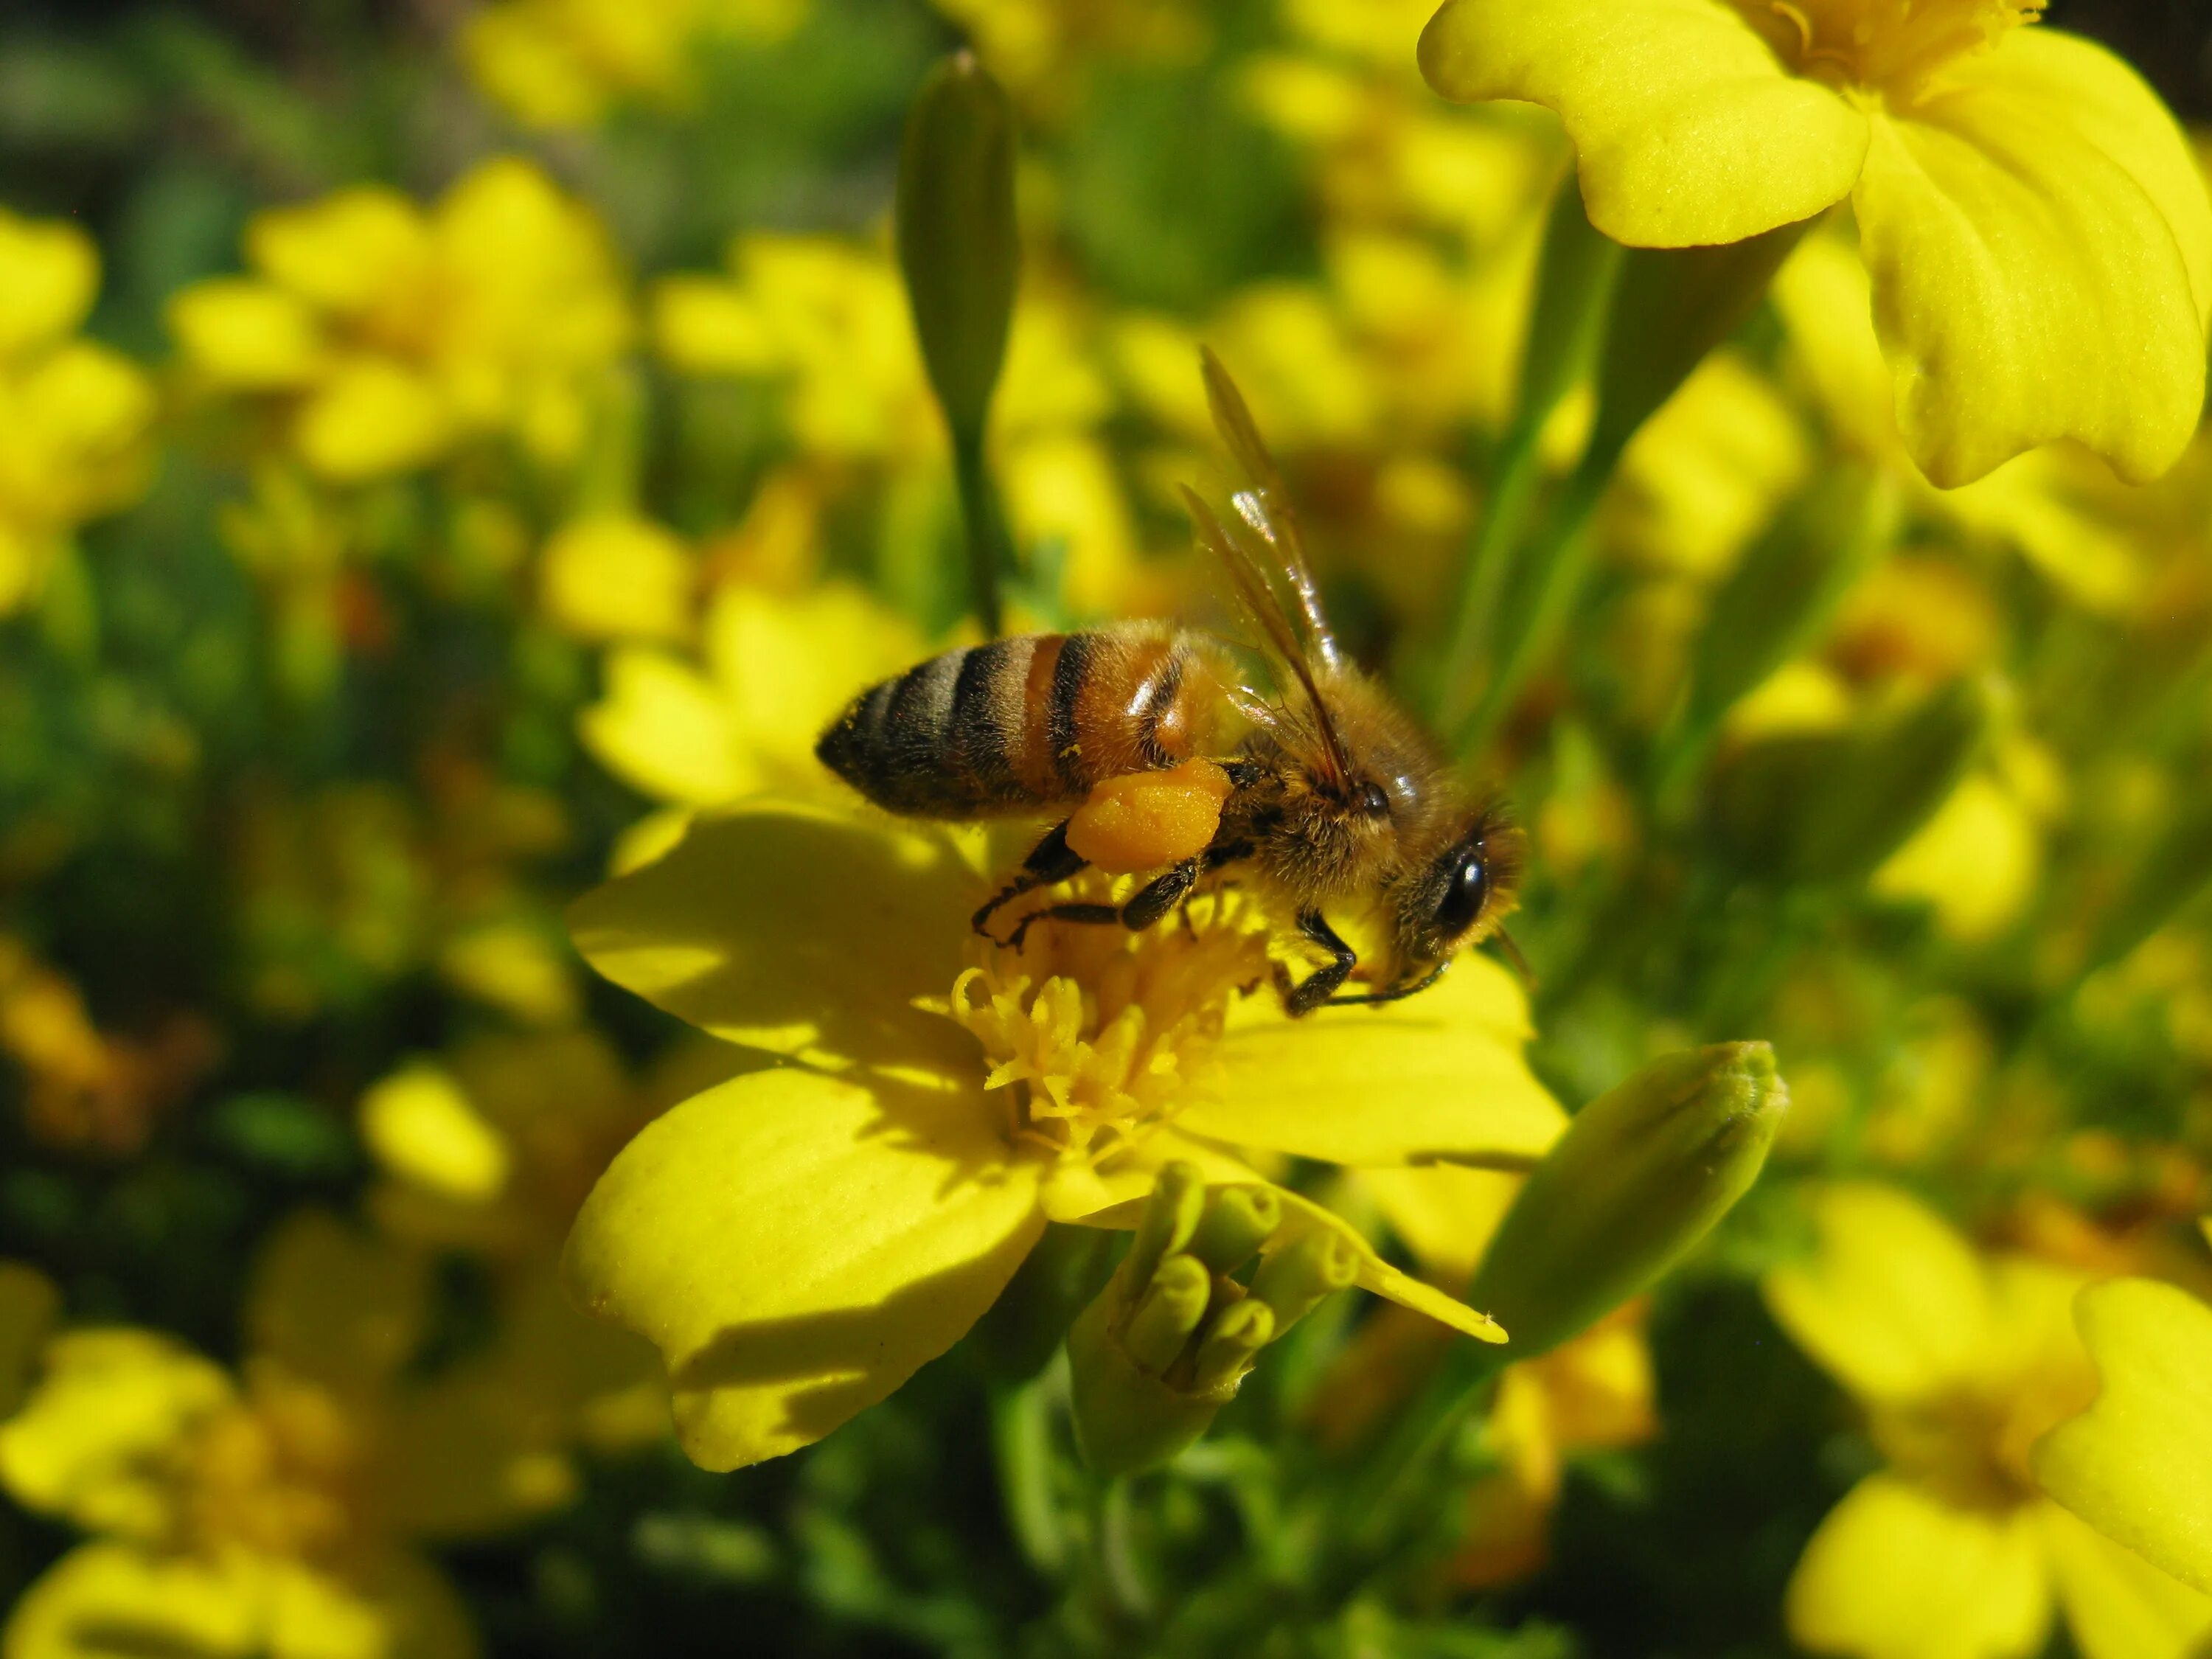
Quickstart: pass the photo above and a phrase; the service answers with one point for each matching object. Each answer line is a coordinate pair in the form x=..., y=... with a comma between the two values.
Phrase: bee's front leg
x=1318, y=986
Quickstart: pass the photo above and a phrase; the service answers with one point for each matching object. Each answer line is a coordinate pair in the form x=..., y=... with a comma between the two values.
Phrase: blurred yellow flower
x=776, y=670
x=617, y=576
x=273, y=1512
x=77, y=414
x=1960, y=1362
x=2036, y=231
x=799, y=1240
x=825, y=322
x=2137, y=1465
x=567, y=62
x=387, y=335
x=28, y=1304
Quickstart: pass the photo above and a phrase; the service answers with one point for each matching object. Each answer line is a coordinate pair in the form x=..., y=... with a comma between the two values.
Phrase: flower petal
x=2137, y=1465
x=1301, y=1215
x=89, y=1443
x=1688, y=129
x=1894, y=1574
x=798, y=929
x=2038, y=260
x=665, y=729
x=1437, y=1078
x=1446, y=1215
x=798, y=1245
x=2117, y=1604
x=1891, y=1301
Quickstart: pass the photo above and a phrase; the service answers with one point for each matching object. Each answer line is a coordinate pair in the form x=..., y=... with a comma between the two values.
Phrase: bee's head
x=1460, y=895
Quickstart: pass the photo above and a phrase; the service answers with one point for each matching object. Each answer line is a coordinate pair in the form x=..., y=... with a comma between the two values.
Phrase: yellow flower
x=1961, y=1362
x=799, y=1240
x=776, y=670
x=28, y=1303
x=617, y=576
x=272, y=1512
x=2038, y=234
x=825, y=323
x=389, y=335
x=566, y=62
x=76, y=413
x=2137, y=1465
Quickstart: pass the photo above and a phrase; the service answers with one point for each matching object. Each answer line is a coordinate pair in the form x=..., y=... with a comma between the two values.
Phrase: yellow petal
x=420, y=1126
x=49, y=272
x=88, y=1443
x=1302, y=1215
x=335, y=1304
x=247, y=336
x=1436, y=1078
x=615, y=576
x=704, y=325
x=1688, y=129
x=1976, y=862
x=1894, y=1574
x=464, y=1456
x=1892, y=1300
x=2117, y=1604
x=1445, y=1215
x=788, y=666
x=351, y=252
x=371, y=418
x=798, y=929
x=114, y=1601
x=2137, y=1465
x=797, y=1245
x=666, y=730
x=2039, y=260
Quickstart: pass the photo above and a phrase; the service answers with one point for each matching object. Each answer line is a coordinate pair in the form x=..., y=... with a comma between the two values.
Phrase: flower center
x=1972, y=1444
x=1098, y=1035
x=272, y=1473
x=1891, y=45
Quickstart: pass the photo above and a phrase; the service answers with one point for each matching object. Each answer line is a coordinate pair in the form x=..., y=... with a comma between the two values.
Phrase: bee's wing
x=1232, y=544
x=1265, y=507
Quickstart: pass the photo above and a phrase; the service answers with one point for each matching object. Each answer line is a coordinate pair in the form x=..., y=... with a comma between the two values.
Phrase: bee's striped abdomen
x=1026, y=722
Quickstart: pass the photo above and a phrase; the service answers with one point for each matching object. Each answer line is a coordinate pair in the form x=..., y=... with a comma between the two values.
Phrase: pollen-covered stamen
x=1885, y=45
x=1100, y=1035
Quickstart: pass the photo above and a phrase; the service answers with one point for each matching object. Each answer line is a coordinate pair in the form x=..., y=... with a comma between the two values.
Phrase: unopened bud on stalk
x=1163, y=1347
x=1889, y=784
x=957, y=240
x=1642, y=1174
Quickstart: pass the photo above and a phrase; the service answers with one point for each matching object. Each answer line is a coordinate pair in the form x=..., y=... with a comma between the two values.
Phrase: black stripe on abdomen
x=984, y=729
x=1068, y=675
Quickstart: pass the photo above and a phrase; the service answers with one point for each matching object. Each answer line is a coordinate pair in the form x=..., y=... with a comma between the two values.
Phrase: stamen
x=1099, y=1036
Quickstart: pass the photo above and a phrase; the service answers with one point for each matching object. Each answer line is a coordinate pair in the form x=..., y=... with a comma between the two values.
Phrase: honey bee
x=1323, y=794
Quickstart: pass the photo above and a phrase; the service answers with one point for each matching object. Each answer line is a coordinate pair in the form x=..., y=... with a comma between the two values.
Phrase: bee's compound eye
x=1372, y=801
x=1469, y=885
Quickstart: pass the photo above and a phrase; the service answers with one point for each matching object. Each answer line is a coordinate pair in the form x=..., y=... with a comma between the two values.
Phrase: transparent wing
x=1264, y=506
x=1233, y=547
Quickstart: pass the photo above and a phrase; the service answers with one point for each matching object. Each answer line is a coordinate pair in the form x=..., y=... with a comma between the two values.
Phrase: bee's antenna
x=1511, y=952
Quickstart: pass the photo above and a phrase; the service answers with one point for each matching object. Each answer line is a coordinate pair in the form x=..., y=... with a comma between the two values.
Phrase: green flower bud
x=1164, y=1346
x=2176, y=868
x=1235, y=1225
x=1888, y=785
x=956, y=240
x=1641, y=1175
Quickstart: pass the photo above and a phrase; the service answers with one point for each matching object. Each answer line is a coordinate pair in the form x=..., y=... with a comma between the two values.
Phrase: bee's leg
x=1160, y=895
x=1050, y=860
x=1397, y=993
x=1318, y=986
x=1096, y=914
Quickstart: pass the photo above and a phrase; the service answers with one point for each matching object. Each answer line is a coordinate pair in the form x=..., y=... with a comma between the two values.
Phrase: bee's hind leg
x=1050, y=860
x=1318, y=986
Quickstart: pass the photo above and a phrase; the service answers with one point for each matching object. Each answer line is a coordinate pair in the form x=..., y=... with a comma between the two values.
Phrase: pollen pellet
x=1147, y=820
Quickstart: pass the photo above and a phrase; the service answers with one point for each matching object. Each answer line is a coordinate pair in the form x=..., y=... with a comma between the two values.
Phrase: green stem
x=1474, y=605
x=984, y=528
x=1117, y=1551
x=1021, y=1436
x=1552, y=581
x=1376, y=1502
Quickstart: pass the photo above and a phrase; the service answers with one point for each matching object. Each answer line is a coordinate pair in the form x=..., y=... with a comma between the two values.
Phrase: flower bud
x=1641, y=1175
x=2175, y=869
x=957, y=240
x=1163, y=1347
x=1888, y=785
